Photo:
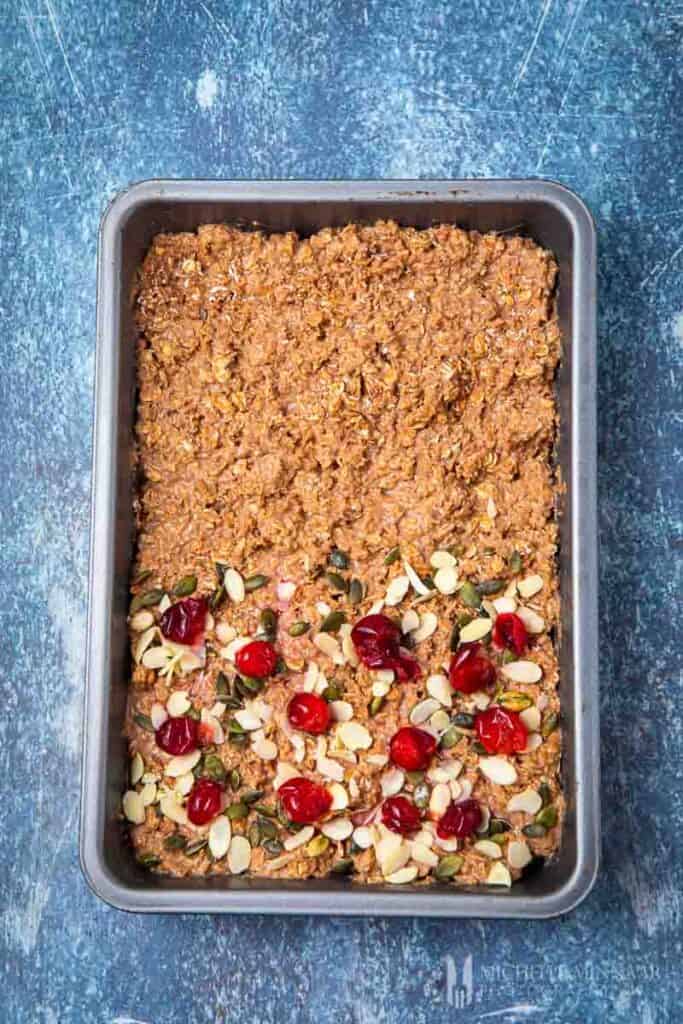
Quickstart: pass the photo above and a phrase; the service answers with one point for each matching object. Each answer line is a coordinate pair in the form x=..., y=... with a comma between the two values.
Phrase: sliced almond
x=285, y=590
x=422, y=854
x=184, y=784
x=341, y=710
x=531, y=718
x=392, y=782
x=391, y=855
x=330, y=769
x=340, y=797
x=265, y=749
x=447, y=845
x=499, y=875
x=182, y=764
x=172, y=809
x=518, y=853
x=233, y=647
x=439, y=721
x=376, y=607
x=156, y=657
x=440, y=689
x=504, y=605
x=530, y=586
x=427, y=627
x=451, y=766
x=477, y=629
x=487, y=848
x=442, y=560
x=338, y=829
x=248, y=719
x=480, y=700
x=439, y=799
x=149, y=777
x=397, y=590
x=164, y=604
x=534, y=741
x=402, y=876
x=322, y=608
x=220, y=833
x=148, y=794
x=377, y=759
x=284, y=771
x=234, y=585
x=438, y=774
x=410, y=621
x=133, y=807
x=328, y=644
x=423, y=710
x=299, y=838
x=143, y=643
x=498, y=770
x=190, y=662
x=225, y=633
x=141, y=621
x=534, y=622
x=446, y=580
x=527, y=801
x=137, y=769
x=380, y=689
x=354, y=736
x=417, y=584
x=522, y=671
x=239, y=855
x=362, y=837
x=455, y=788
x=178, y=704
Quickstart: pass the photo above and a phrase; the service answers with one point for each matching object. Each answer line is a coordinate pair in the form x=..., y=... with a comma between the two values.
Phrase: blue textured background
x=95, y=95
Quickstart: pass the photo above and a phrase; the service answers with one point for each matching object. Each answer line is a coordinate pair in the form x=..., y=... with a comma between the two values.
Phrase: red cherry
x=177, y=735
x=400, y=815
x=412, y=748
x=500, y=731
x=258, y=660
x=510, y=632
x=470, y=671
x=378, y=644
x=184, y=621
x=204, y=801
x=309, y=712
x=460, y=820
x=304, y=801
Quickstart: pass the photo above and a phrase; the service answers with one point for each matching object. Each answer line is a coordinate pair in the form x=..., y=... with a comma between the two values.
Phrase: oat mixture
x=345, y=595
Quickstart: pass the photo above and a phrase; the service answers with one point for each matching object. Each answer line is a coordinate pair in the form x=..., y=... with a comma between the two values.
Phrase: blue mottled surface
x=93, y=96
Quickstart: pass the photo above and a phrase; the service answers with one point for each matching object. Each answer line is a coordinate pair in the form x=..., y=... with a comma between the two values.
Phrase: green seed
x=146, y=600
x=550, y=724
x=234, y=703
x=490, y=587
x=392, y=556
x=355, y=591
x=342, y=867
x=234, y=779
x=375, y=707
x=237, y=810
x=213, y=768
x=469, y=595
x=144, y=721
x=255, y=582
x=217, y=598
x=463, y=720
x=428, y=581
x=222, y=685
x=194, y=846
x=238, y=739
x=448, y=866
x=421, y=795
x=415, y=777
x=273, y=847
x=332, y=622
x=149, y=860
x=250, y=796
x=449, y=739
x=547, y=817
x=299, y=628
x=545, y=793
x=268, y=812
x=497, y=826
x=283, y=819
x=235, y=727
x=513, y=700
x=339, y=559
x=534, y=831
x=455, y=638
x=479, y=748
x=515, y=562
x=254, y=834
x=268, y=623
x=317, y=846
x=184, y=587
x=175, y=842
x=508, y=656
x=336, y=581
x=332, y=692
x=142, y=576
x=247, y=687
x=498, y=837
x=268, y=828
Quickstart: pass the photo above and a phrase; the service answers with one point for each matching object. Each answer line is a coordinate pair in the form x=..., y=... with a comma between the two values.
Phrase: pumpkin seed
x=508, y=656
x=479, y=748
x=237, y=810
x=299, y=628
x=332, y=622
x=238, y=739
x=235, y=728
x=498, y=837
x=469, y=595
x=248, y=687
x=185, y=586
x=234, y=779
x=250, y=796
x=415, y=777
x=376, y=705
x=255, y=582
x=217, y=598
x=149, y=860
x=144, y=721
x=448, y=866
x=339, y=559
x=146, y=600
x=194, y=846
x=273, y=847
x=513, y=700
x=515, y=562
x=254, y=834
x=222, y=685
x=392, y=556
x=175, y=842
x=550, y=724
x=221, y=569
x=267, y=828
x=333, y=691
x=268, y=624
x=497, y=826
x=421, y=795
x=463, y=720
x=545, y=794
x=449, y=738
x=142, y=576
x=355, y=591
x=336, y=582
x=268, y=812
x=534, y=831
x=317, y=846
x=488, y=587
x=547, y=816
x=234, y=702
x=454, y=638
x=194, y=713
x=342, y=867
x=213, y=768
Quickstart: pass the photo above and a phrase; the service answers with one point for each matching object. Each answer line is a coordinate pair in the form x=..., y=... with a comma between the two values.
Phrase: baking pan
x=558, y=220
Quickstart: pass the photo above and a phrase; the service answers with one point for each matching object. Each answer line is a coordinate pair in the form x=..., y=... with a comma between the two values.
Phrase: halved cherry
x=257, y=659
x=377, y=640
x=304, y=801
x=204, y=801
x=412, y=748
x=510, y=632
x=177, y=735
x=460, y=820
x=500, y=731
x=309, y=712
x=184, y=622
x=400, y=814
x=470, y=670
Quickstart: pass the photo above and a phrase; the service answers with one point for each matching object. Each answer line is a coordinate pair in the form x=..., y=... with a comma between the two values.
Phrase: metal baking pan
x=558, y=220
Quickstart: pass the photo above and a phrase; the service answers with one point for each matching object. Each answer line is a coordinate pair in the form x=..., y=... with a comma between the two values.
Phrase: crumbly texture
x=364, y=388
